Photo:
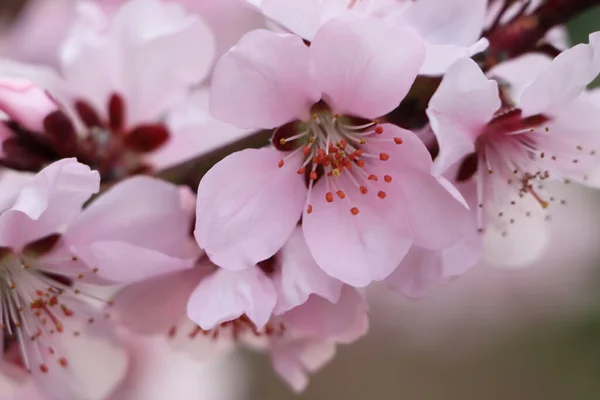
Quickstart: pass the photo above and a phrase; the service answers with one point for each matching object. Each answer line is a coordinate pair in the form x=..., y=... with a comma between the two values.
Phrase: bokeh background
x=493, y=334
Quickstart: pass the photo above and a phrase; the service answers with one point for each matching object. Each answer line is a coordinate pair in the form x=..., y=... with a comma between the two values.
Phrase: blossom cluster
x=237, y=172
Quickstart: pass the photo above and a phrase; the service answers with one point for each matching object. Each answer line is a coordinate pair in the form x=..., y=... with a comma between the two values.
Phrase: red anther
x=39, y=293
x=66, y=310
x=379, y=130
x=321, y=152
x=63, y=362
x=352, y=157
x=281, y=163
x=306, y=151
x=384, y=156
x=329, y=197
x=354, y=211
x=53, y=301
x=372, y=178
x=339, y=156
x=343, y=143
x=327, y=163
x=381, y=194
x=301, y=171
x=358, y=153
x=398, y=140
x=333, y=149
x=363, y=190
x=313, y=175
x=51, y=350
x=360, y=163
x=44, y=368
x=341, y=194
x=387, y=178
x=309, y=209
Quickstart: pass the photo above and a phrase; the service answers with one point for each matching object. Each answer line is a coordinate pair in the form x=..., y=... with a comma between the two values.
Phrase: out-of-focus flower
x=47, y=315
x=369, y=193
x=451, y=29
x=513, y=145
x=118, y=78
x=286, y=306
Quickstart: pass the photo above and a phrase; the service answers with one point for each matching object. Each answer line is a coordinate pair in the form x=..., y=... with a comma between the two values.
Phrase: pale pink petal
x=141, y=211
x=298, y=276
x=301, y=17
x=48, y=203
x=122, y=262
x=193, y=132
x=294, y=360
x=264, y=81
x=565, y=79
x=364, y=67
x=247, y=207
x=11, y=184
x=449, y=22
x=440, y=57
x=227, y=295
x=519, y=73
x=463, y=104
x=156, y=305
x=357, y=249
x=25, y=103
x=343, y=322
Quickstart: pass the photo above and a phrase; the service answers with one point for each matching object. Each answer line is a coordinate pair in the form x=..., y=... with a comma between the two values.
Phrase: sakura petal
x=343, y=322
x=356, y=249
x=301, y=17
x=299, y=276
x=155, y=305
x=141, y=211
x=226, y=295
x=463, y=104
x=565, y=79
x=122, y=262
x=25, y=103
x=48, y=203
x=264, y=81
x=364, y=67
x=294, y=360
x=247, y=207
x=440, y=57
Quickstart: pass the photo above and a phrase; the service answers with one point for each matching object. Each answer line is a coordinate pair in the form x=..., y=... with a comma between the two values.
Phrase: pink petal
x=344, y=322
x=264, y=81
x=25, y=103
x=156, y=305
x=227, y=295
x=48, y=203
x=519, y=73
x=301, y=17
x=122, y=262
x=565, y=79
x=299, y=276
x=364, y=67
x=295, y=360
x=357, y=249
x=247, y=207
x=141, y=211
x=463, y=104
x=440, y=57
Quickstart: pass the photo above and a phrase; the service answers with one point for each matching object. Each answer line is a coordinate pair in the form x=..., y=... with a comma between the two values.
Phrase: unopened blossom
x=50, y=318
x=286, y=306
x=363, y=187
x=450, y=29
x=512, y=143
x=118, y=78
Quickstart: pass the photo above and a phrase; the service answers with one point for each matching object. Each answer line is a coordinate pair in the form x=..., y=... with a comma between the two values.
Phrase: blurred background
x=493, y=334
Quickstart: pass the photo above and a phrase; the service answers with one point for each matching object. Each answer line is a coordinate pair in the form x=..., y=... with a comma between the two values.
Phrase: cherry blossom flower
x=450, y=29
x=42, y=310
x=369, y=193
x=118, y=78
x=286, y=306
x=513, y=142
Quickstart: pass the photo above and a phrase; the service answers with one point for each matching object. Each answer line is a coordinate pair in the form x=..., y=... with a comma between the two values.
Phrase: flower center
x=335, y=146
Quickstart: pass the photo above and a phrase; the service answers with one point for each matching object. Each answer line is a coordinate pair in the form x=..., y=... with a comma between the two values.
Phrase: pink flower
x=369, y=194
x=287, y=306
x=451, y=29
x=49, y=317
x=118, y=79
x=514, y=143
